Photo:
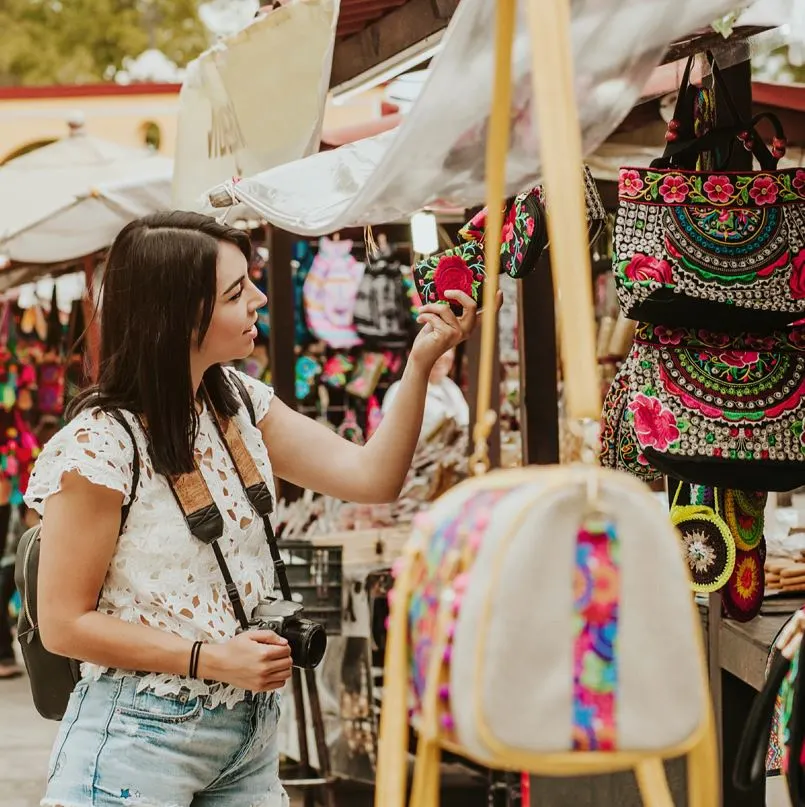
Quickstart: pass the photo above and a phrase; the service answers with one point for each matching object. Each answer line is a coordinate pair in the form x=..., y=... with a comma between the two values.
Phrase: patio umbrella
x=70, y=198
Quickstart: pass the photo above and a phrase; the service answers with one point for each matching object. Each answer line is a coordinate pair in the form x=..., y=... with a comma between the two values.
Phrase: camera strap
x=202, y=515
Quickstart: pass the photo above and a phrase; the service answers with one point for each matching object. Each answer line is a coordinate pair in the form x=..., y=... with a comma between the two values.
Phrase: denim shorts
x=120, y=748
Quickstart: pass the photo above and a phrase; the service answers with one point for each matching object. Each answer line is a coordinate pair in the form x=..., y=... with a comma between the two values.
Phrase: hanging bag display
x=537, y=612
x=524, y=238
x=717, y=409
x=718, y=247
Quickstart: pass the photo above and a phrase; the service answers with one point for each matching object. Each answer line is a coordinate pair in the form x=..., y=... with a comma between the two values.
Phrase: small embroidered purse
x=523, y=240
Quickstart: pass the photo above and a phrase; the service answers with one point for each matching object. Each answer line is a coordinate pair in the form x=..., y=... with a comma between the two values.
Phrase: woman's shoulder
x=259, y=393
x=96, y=445
x=100, y=427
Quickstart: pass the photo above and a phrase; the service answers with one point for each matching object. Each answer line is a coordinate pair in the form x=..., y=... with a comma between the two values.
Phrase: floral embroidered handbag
x=619, y=447
x=718, y=409
x=715, y=247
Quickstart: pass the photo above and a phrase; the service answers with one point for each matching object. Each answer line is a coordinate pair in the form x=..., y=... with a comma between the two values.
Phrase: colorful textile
x=595, y=670
x=434, y=572
x=329, y=293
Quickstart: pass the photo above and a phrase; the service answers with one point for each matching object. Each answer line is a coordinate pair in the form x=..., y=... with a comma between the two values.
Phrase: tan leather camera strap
x=202, y=515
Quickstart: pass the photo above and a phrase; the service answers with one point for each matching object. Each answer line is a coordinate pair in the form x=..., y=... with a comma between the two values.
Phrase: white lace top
x=160, y=575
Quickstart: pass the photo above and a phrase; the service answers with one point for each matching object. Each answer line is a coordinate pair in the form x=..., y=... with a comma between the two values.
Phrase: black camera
x=307, y=639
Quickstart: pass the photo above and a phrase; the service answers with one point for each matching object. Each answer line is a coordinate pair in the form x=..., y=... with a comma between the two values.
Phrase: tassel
x=372, y=249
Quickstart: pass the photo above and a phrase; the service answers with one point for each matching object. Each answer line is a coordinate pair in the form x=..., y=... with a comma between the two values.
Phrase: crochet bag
x=719, y=247
x=537, y=612
x=717, y=409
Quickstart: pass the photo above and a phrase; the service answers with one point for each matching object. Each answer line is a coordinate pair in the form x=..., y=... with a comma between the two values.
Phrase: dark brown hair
x=158, y=294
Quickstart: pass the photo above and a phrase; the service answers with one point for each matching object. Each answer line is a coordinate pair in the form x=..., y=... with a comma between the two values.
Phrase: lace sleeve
x=260, y=393
x=95, y=445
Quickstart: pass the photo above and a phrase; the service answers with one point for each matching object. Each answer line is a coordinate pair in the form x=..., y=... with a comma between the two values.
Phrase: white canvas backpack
x=541, y=618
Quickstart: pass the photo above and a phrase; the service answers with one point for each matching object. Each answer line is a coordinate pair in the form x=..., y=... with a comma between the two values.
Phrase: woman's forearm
x=111, y=642
x=387, y=455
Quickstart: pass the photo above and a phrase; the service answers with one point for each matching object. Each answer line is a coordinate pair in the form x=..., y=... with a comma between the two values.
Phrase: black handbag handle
x=750, y=761
x=683, y=147
x=796, y=729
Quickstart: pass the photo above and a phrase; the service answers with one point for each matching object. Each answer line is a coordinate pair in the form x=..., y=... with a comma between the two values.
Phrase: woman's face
x=232, y=328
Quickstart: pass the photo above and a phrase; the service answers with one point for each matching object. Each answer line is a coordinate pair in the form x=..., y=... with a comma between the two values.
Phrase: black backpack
x=54, y=677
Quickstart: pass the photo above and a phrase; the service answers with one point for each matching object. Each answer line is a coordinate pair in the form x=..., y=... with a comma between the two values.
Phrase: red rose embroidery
x=796, y=336
x=629, y=182
x=674, y=189
x=452, y=274
x=738, y=358
x=654, y=424
x=669, y=336
x=719, y=189
x=646, y=267
x=799, y=179
x=764, y=191
x=757, y=342
x=508, y=225
x=797, y=280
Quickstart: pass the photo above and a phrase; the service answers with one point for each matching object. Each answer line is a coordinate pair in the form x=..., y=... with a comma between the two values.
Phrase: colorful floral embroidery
x=460, y=268
x=704, y=188
x=730, y=239
x=654, y=424
x=434, y=574
x=786, y=701
x=595, y=672
x=705, y=394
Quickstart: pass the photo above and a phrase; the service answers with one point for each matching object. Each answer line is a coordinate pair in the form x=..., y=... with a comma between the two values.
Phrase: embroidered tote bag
x=536, y=612
x=715, y=247
x=718, y=409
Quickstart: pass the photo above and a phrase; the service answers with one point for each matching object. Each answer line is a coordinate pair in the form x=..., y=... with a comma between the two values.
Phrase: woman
x=444, y=400
x=178, y=303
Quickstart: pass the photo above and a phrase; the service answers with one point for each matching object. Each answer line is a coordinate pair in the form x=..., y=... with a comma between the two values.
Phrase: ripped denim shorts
x=117, y=747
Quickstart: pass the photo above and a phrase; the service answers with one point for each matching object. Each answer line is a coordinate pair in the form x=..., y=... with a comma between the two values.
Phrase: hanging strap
x=684, y=150
x=497, y=147
x=554, y=94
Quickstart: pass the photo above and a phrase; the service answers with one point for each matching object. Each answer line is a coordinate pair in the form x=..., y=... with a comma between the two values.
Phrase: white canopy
x=437, y=155
x=70, y=198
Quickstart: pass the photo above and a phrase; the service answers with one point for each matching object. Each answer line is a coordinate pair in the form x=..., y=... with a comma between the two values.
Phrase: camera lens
x=307, y=640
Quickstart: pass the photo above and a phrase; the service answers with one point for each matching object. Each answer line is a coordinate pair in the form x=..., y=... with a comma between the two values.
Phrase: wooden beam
x=281, y=308
x=708, y=39
x=539, y=375
x=382, y=40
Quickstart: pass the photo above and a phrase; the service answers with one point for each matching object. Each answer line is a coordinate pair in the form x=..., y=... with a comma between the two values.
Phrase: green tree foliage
x=80, y=41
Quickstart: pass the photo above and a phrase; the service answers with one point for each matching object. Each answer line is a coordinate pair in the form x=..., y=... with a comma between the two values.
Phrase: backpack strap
x=244, y=394
x=135, y=466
